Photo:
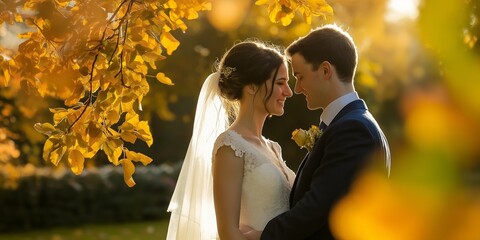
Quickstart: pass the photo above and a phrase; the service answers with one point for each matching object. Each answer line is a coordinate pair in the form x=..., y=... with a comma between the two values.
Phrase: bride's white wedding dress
x=267, y=180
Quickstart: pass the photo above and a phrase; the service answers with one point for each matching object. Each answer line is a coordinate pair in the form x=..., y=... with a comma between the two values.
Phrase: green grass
x=155, y=230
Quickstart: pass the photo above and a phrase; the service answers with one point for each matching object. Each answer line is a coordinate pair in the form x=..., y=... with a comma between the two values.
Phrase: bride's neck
x=249, y=125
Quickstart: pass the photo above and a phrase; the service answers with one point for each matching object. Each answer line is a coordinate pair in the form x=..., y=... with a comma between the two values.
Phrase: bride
x=233, y=179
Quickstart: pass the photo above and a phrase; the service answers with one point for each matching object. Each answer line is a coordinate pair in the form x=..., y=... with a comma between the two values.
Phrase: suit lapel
x=299, y=171
x=355, y=105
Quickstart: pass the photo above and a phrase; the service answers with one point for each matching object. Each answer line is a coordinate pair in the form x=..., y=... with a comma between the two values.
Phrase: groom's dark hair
x=328, y=43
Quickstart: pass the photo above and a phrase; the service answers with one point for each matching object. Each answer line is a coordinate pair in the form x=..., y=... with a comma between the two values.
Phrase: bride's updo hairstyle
x=248, y=62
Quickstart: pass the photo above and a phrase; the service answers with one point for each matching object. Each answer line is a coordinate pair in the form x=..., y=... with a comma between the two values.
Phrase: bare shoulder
x=226, y=157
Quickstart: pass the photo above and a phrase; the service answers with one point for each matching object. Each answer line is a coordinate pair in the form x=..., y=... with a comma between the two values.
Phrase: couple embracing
x=234, y=183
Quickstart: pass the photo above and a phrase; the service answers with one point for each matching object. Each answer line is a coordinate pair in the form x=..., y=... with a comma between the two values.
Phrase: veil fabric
x=191, y=206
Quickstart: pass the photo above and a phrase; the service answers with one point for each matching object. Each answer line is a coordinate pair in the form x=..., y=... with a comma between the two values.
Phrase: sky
x=401, y=9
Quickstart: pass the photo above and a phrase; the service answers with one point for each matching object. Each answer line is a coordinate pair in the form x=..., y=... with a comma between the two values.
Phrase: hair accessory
x=227, y=71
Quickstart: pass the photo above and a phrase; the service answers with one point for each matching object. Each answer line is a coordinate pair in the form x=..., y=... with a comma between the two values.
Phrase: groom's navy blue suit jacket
x=346, y=147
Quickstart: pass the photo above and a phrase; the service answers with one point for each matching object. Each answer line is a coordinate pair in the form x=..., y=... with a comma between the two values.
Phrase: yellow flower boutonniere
x=306, y=139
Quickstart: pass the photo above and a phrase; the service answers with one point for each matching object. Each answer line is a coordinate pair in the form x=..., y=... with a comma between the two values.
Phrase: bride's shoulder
x=230, y=139
x=227, y=135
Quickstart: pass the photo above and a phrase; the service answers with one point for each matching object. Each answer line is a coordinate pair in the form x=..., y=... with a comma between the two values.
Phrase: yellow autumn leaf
x=94, y=136
x=170, y=4
x=112, y=117
x=78, y=93
x=73, y=116
x=135, y=77
x=274, y=12
x=173, y=16
x=319, y=7
x=191, y=14
x=56, y=110
x=132, y=118
x=286, y=20
x=164, y=79
x=106, y=99
x=57, y=155
x=127, y=126
x=6, y=78
x=127, y=106
x=127, y=103
x=73, y=140
x=138, y=157
x=54, y=149
x=128, y=170
x=152, y=57
x=48, y=147
x=113, y=134
x=60, y=114
x=143, y=130
x=169, y=42
x=76, y=160
x=307, y=18
x=146, y=42
x=138, y=59
x=113, y=150
x=79, y=115
x=87, y=152
x=128, y=136
x=181, y=24
x=45, y=128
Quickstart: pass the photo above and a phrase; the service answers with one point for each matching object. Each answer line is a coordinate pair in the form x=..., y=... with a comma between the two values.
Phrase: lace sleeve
x=225, y=139
x=239, y=146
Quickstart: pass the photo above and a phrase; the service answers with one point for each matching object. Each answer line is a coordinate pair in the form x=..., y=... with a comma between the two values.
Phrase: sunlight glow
x=401, y=9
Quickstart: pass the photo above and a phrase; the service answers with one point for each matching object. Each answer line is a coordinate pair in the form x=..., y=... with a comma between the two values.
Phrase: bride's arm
x=227, y=191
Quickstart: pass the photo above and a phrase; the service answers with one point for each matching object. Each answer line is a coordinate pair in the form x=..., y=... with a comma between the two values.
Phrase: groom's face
x=307, y=81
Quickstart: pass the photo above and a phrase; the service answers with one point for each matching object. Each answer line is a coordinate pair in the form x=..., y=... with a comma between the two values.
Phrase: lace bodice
x=267, y=181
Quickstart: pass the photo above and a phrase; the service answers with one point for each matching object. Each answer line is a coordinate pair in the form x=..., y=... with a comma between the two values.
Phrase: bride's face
x=280, y=91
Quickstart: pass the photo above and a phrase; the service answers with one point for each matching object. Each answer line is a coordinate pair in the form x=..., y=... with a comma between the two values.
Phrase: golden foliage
x=95, y=56
x=283, y=11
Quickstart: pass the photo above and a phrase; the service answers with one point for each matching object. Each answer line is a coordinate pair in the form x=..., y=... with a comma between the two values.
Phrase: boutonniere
x=306, y=139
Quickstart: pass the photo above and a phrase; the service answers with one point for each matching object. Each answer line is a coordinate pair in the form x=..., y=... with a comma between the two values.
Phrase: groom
x=324, y=63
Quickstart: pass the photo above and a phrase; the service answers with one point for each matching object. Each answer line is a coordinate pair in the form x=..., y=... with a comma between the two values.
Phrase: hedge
x=52, y=199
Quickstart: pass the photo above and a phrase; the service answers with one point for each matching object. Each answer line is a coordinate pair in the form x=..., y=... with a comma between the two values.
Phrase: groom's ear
x=327, y=69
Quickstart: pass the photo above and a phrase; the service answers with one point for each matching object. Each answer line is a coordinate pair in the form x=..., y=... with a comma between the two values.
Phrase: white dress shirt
x=334, y=107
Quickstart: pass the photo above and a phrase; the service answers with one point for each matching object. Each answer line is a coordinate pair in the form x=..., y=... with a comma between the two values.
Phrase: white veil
x=192, y=209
